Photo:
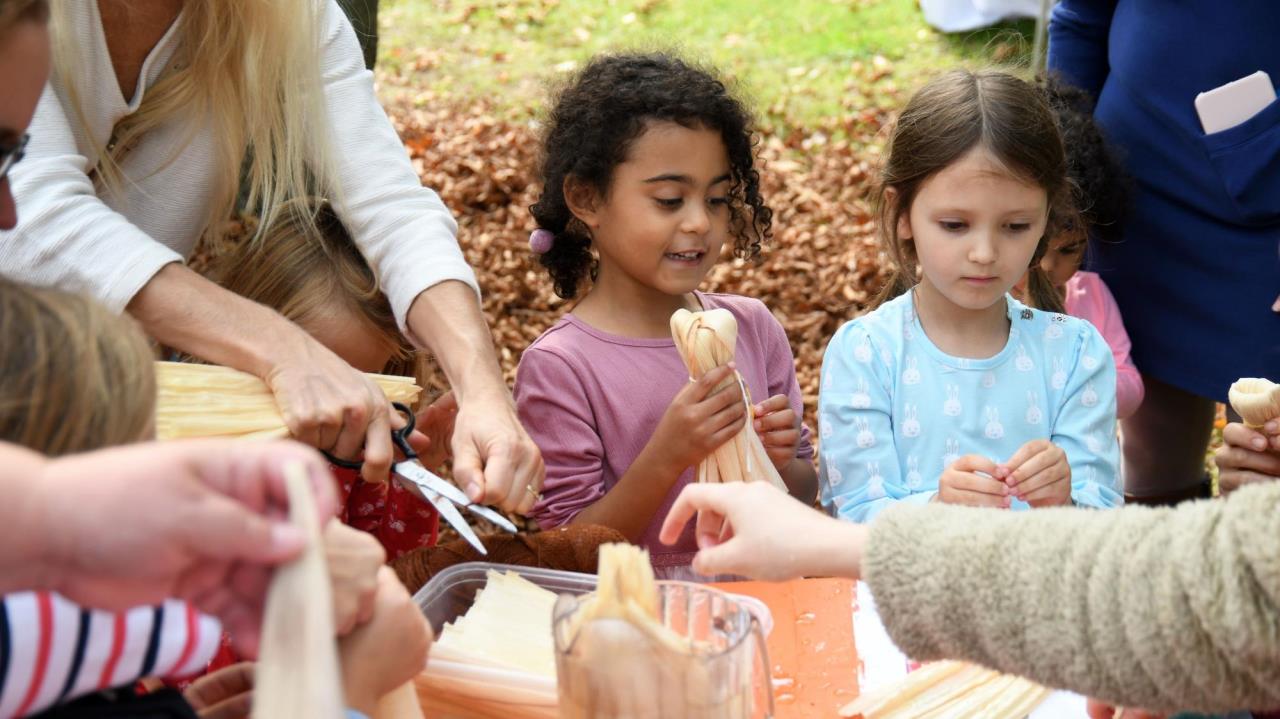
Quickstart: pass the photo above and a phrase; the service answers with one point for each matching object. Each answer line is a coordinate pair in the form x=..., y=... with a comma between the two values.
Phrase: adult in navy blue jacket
x=1198, y=269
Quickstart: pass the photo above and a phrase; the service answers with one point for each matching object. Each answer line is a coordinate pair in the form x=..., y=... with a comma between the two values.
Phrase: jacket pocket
x=1247, y=160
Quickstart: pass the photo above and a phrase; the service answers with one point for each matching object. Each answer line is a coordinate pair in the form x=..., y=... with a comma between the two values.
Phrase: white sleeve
x=403, y=229
x=66, y=236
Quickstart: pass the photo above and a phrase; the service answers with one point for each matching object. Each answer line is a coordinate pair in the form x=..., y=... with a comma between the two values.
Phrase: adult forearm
x=187, y=312
x=447, y=320
x=24, y=553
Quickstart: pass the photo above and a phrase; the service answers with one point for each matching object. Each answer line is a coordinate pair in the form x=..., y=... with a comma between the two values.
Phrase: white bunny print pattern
x=993, y=428
x=911, y=421
x=898, y=411
x=861, y=398
x=952, y=407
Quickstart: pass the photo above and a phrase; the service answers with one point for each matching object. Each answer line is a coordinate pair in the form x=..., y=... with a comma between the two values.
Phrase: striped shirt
x=52, y=650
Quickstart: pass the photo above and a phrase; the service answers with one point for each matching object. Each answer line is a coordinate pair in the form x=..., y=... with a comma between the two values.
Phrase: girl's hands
x=434, y=431
x=1247, y=455
x=972, y=480
x=779, y=429
x=224, y=694
x=354, y=559
x=387, y=651
x=699, y=420
x=1038, y=474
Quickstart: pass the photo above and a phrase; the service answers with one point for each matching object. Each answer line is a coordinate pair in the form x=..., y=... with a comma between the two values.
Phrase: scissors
x=436, y=490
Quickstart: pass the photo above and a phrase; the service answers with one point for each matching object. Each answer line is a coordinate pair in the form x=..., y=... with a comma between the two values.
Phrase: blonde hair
x=14, y=11
x=305, y=262
x=73, y=376
x=250, y=69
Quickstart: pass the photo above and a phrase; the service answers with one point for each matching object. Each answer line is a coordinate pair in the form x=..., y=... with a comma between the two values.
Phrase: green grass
x=801, y=61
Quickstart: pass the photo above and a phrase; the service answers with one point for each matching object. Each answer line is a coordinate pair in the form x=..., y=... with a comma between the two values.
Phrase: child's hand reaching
x=698, y=420
x=972, y=480
x=433, y=432
x=1038, y=474
x=779, y=429
x=388, y=651
x=354, y=560
x=224, y=694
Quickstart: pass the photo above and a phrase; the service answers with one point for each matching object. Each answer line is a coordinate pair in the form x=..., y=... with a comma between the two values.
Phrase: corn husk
x=195, y=400
x=707, y=340
x=956, y=690
x=297, y=673
x=1256, y=400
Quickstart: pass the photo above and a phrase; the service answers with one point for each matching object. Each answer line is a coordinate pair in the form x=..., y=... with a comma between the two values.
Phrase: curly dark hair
x=594, y=120
x=1100, y=184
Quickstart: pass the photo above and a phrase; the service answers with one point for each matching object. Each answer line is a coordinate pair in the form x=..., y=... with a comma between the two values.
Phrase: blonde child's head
x=693, y=140
x=306, y=267
x=73, y=376
x=1000, y=130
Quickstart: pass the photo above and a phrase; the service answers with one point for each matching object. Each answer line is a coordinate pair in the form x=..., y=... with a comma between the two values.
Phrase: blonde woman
x=136, y=152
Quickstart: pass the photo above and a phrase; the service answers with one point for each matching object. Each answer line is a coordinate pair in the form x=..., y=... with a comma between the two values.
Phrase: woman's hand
x=1038, y=474
x=387, y=651
x=1247, y=455
x=972, y=480
x=354, y=559
x=755, y=530
x=494, y=460
x=779, y=429
x=331, y=406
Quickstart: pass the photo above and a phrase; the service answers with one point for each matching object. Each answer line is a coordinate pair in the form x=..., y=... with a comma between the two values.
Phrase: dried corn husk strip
x=1256, y=400
x=508, y=626
x=707, y=340
x=297, y=673
x=626, y=589
x=954, y=690
x=195, y=400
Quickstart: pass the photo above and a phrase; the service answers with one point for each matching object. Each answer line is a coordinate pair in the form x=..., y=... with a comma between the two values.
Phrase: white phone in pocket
x=1222, y=108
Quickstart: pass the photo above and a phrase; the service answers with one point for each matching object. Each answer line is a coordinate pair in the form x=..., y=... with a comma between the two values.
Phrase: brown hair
x=14, y=11
x=304, y=262
x=942, y=122
x=74, y=377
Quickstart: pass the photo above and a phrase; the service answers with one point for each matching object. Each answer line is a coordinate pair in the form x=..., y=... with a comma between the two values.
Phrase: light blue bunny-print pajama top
x=895, y=411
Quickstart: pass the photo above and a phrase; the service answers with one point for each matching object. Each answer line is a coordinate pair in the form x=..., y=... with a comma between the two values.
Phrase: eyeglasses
x=11, y=154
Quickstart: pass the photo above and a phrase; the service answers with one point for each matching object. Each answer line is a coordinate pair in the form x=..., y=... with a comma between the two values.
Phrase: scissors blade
x=455, y=519
x=416, y=473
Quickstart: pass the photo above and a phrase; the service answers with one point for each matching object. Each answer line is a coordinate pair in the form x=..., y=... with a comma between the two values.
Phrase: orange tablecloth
x=811, y=649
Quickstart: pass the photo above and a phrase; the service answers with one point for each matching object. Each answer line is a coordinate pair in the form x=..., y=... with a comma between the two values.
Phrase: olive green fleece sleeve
x=1163, y=609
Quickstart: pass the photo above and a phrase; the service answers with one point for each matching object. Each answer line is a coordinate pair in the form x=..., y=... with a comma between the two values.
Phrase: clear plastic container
x=451, y=689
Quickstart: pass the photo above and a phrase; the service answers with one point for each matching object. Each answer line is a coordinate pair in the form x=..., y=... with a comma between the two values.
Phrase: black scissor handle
x=399, y=437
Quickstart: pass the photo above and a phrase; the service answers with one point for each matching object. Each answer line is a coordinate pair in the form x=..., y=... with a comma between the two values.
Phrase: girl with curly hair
x=647, y=170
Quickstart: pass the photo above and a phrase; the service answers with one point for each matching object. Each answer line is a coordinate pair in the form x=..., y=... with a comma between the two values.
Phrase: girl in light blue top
x=951, y=390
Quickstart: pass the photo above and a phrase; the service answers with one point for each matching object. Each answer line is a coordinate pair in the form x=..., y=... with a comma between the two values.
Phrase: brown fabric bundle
x=574, y=548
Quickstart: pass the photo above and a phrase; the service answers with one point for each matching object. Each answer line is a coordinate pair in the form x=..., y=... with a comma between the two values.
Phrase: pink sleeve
x=555, y=411
x=780, y=368
x=1129, y=389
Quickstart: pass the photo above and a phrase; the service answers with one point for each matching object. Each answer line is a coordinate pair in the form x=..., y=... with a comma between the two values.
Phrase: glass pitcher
x=612, y=670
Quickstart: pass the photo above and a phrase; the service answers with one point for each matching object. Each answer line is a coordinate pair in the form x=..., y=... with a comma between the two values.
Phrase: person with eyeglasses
x=155, y=111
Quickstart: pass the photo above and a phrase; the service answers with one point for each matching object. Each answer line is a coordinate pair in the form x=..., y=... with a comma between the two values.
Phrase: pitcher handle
x=762, y=651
